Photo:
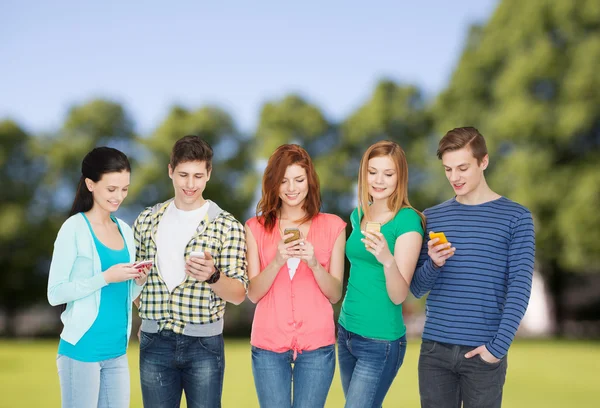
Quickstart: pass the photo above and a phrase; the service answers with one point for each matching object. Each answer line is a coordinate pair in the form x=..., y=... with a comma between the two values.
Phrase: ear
x=170, y=171
x=485, y=162
x=208, y=173
x=89, y=184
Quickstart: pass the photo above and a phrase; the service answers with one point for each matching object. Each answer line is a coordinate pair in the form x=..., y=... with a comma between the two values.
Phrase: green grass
x=540, y=374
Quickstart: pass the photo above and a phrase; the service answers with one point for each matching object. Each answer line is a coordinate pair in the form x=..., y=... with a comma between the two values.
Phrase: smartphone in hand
x=440, y=235
x=294, y=231
x=143, y=264
x=197, y=254
x=373, y=226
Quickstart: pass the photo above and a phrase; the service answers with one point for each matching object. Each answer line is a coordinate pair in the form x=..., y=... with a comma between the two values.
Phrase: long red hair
x=270, y=203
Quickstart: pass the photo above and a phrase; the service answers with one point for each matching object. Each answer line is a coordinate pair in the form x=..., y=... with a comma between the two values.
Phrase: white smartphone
x=142, y=264
x=197, y=254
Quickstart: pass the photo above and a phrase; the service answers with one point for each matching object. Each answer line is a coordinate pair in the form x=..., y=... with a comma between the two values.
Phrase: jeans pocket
x=497, y=363
x=428, y=347
x=212, y=344
x=146, y=339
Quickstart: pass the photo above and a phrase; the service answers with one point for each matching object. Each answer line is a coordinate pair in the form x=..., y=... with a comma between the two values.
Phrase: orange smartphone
x=294, y=231
x=440, y=235
x=373, y=226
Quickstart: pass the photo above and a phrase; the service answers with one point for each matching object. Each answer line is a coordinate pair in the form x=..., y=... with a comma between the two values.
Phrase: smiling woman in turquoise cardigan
x=92, y=275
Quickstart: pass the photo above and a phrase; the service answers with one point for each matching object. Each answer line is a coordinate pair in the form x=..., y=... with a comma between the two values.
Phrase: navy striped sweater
x=480, y=295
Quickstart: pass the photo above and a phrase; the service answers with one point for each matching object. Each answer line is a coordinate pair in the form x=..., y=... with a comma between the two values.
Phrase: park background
x=333, y=77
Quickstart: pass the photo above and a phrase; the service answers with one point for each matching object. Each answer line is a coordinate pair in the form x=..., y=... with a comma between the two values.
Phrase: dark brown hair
x=191, y=148
x=270, y=203
x=98, y=162
x=458, y=138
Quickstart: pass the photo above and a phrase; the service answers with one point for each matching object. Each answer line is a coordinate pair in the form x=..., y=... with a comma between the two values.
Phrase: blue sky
x=238, y=55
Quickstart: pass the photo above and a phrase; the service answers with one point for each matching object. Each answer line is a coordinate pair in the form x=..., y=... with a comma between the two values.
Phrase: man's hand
x=200, y=268
x=439, y=253
x=484, y=353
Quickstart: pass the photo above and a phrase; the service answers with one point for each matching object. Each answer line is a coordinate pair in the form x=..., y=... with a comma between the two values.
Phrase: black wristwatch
x=214, y=277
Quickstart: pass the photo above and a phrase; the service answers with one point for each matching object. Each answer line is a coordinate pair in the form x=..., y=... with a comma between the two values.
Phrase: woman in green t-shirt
x=383, y=249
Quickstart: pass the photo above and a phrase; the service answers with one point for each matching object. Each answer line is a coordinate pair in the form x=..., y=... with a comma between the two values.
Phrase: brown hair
x=399, y=198
x=191, y=148
x=458, y=138
x=270, y=203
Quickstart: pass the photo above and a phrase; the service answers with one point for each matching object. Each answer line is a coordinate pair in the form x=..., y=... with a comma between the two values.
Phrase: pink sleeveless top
x=294, y=314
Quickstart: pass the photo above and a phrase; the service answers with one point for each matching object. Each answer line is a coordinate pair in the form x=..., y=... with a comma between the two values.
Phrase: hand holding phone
x=441, y=250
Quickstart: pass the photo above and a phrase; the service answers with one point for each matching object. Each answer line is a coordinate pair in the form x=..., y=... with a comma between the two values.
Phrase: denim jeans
x=103, y=384
x=311, y=375
x=447, y=379
x=173, y=363
x=368, y=367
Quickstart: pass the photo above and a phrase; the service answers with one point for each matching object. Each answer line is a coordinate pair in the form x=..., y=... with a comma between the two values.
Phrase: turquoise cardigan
x=76, y=277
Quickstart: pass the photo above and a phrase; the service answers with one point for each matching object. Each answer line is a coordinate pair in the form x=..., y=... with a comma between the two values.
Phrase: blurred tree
x=22, y=233
x=231, y=161
x=294, y=120
x=394, y=112
x=529, y=81
x=96, y=123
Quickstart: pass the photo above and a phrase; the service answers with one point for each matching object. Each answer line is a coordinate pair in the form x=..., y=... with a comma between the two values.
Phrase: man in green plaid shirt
x=199, y=255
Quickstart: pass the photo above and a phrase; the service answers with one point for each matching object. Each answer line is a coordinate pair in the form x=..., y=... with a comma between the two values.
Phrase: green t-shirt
x=367, y=309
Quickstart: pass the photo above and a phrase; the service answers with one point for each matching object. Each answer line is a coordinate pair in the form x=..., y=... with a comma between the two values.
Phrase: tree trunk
x=10, y=314
x=557, y=282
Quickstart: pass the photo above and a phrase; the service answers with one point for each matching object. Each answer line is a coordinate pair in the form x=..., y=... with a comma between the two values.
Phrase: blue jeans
x=311, y=375
x=368, y=367
x=103, y=384
x=174, y=363
x=448, y=380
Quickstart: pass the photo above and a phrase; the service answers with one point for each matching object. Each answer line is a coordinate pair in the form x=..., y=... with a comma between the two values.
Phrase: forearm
x=396, y=285
x=64, y=292
x=261, y=283
x=330, y=286
x=229, y=289
x=424, y=278
x=521, y=258
x=514, y=309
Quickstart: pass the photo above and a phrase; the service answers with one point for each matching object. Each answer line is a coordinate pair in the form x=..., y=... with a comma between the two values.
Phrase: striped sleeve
x=520, y=274
x=426, y=273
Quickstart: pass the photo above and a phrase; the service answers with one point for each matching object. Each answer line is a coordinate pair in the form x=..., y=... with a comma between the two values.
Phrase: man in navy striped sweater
x=479, y=282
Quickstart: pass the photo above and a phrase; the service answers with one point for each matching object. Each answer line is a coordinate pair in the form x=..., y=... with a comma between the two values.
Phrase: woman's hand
x=120, y=273
x=142, y=275
x=306, y=252
x=376, y=244
x=286, y=251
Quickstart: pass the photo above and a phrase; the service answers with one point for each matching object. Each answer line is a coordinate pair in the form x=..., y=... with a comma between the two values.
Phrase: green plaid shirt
x=191, y=302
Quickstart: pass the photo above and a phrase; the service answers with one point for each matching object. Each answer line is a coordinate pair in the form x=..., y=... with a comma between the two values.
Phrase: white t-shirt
x=175, y=230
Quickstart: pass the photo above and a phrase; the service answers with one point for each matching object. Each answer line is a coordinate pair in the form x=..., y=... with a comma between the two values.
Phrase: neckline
x=478, y=205
x=112, y=217
x=382, y=224
x=308, y=233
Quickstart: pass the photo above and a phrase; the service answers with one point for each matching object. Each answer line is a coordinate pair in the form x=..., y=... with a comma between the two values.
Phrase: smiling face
x=294, y=186
x=110, y=191
x=189, y=181
x=382, y=177
x=463, y=172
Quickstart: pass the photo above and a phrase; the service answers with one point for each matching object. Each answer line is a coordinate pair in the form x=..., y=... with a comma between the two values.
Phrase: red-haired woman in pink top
x=293, y=284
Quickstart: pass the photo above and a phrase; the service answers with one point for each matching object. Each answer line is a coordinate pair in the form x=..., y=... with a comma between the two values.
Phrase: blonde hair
x=399, y=198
